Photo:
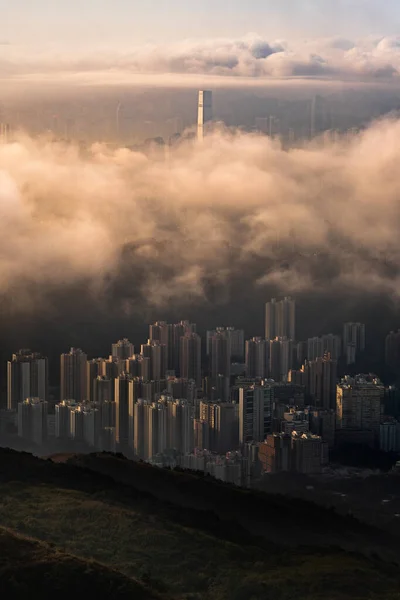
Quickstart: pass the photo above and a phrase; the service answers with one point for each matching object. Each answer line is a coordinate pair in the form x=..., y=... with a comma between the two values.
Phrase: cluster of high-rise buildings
x=219, y=402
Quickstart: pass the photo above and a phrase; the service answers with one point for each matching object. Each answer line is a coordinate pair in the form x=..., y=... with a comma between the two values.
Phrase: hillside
x=186, y=536
x=27, y=565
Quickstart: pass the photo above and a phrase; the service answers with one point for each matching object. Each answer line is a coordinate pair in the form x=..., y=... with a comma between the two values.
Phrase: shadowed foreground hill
x=188, y=537
x=29, y=568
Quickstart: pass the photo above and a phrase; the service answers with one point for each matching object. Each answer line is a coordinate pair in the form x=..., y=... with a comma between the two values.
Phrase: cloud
x=160, y=230
x=252, y=56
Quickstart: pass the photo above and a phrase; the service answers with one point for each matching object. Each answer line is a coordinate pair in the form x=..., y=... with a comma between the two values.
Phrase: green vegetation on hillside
x=32, y=569
x=89, y=516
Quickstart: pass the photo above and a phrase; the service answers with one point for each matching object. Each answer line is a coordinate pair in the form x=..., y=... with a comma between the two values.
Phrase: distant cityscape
x=234, y=408
x=317, y=120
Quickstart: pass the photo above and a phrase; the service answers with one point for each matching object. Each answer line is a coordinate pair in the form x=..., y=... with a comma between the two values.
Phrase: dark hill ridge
x=276, y=518
x=188, y=536
x=28, y=566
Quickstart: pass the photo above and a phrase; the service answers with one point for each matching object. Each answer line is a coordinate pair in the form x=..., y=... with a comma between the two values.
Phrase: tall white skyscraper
x=205, y=113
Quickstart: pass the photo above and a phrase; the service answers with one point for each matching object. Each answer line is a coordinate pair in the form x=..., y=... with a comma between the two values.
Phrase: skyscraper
x=140, y=428
x=157, y=428
x=180, y=426
x=353, y=341
x=280, y=358
x=317, y=347
x=359, y=403
x=27, y=377
x=94, y=369
x=123, y=400
x=163, y=332
x=62, y=418
x=257, y=355
x=157, y=353
x=321, y=378
x=103, y=390
x=205, y=113
x=122, y=350
x=255, y=413
x=280, y=319
x=220, y=355
x=73, y=375
x=32, y=420
x=392, y=350
x=178, y=331
x=236, y=339
x=190, y=357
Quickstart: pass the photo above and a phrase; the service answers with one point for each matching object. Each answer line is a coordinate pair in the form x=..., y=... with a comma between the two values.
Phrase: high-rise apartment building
x=255, y=413
x=139, y=366
x=190, y=357
x=353, y=341
x=222, y=427
x=163, y=332
x=32, y=420
x=205, y=113
x=314, y=348
x=332, y=344
x=123, y=395
x=257, y=358
x=307, y=453
x=180, y=426
x=140, y=428
x=94, y=369
x=280, y=319
x=280, y=358
x=156, y=352
x=320, y=377
x=76, y=423
x=359, y=403
x=296, y=452
x=275, y=453
x=122, y=350
x=27, y=377
x=62, y=418
x=220, y=355
x=179, y=330
x=73, y=375
x=236, y=341
x=157, y=429
x=318, y=346
x=392, y=350
x=103, y=390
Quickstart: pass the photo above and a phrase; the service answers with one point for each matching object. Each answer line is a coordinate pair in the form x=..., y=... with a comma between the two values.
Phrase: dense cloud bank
x=252, y=56
x=162, y=230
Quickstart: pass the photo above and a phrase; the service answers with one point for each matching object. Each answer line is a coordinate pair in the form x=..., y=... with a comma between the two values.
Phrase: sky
x=79, y=24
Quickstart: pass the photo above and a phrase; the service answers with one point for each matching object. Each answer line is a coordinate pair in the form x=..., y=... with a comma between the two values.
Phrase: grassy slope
x=28, y=566
x=142, y=539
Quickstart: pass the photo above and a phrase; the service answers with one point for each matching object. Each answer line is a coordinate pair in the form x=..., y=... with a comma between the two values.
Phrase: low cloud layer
x=252, y=56
x=160, y=230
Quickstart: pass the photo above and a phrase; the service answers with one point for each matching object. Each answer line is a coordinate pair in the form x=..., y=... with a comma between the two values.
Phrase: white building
x=205, y=113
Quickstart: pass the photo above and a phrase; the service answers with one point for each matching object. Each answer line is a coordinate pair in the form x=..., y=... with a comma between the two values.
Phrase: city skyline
x=287, y=400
